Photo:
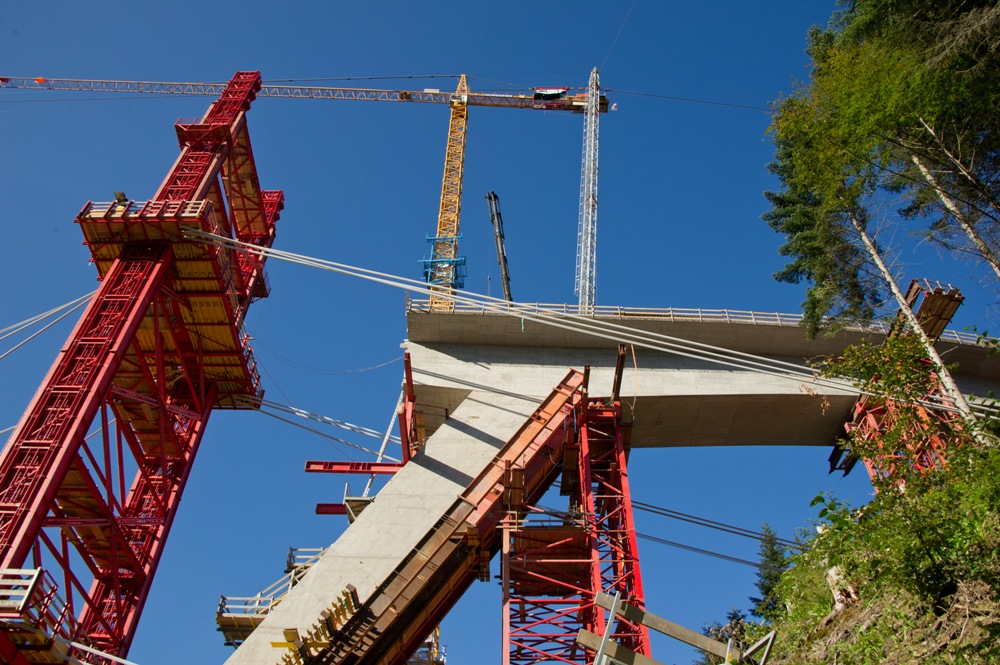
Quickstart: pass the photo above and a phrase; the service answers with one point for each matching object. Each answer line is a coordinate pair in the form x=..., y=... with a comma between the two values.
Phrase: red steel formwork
x=159, y=347
x=552, y=568
x=921, y=447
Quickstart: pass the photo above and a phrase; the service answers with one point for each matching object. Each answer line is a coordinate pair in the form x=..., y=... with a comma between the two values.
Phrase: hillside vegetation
x=897, y=123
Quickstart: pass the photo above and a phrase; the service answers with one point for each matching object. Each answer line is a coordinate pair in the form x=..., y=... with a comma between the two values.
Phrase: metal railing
x=679, y=314
x=29, y=597
x=299, y=561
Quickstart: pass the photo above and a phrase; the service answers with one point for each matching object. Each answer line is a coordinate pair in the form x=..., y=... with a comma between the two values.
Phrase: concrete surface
x=402, y=513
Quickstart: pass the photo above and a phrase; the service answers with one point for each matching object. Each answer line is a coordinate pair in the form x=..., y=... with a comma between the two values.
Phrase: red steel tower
x=553, y=565
x=160, y=345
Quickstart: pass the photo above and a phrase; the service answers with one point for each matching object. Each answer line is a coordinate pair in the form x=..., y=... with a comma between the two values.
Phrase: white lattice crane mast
x=585, y=285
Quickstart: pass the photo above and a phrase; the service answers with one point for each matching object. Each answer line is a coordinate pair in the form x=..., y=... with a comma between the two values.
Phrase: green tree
x=773, y=562
x=735, y=629
x=927, y=119
x=901, y=100
x=820, y=245
x=893, y=106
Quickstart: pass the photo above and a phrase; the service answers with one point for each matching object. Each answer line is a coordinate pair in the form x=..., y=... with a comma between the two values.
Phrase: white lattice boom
x=585, y=285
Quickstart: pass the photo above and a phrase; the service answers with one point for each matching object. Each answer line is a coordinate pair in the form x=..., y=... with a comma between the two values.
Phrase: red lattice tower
x=553, y=568
x=160, y=345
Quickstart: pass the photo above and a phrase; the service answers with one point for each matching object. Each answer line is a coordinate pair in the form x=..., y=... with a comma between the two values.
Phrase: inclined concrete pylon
x=391, y=527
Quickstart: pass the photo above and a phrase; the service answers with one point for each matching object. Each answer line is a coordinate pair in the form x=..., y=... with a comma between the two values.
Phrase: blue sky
x=680, y=196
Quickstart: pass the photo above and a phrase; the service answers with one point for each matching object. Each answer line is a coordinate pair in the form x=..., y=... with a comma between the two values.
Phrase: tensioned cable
x=692, y=100
x=15, y=328
x=618, y=34
x=572, y=322
x=692, y=519
x=567, y=516
x=41, y=330
x=590, y=326
x=533, y=313
x=258, y=344
x=710, y=524
x=326, y=420
x=699, y=550
x=330, y=437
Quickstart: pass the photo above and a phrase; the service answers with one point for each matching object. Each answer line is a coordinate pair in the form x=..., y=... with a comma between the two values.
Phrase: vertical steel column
x=554, y=569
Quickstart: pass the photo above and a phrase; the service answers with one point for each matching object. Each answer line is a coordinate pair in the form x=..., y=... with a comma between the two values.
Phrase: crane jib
x=530, y=99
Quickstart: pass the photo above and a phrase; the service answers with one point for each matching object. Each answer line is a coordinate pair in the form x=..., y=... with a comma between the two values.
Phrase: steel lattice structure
x=585, y=285
x=926, y=434
x=552, y=570
x=159, y=347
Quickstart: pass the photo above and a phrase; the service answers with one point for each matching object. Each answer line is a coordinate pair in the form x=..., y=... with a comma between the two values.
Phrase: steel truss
x=553, y=565
x=923, y=448
x=159, y=347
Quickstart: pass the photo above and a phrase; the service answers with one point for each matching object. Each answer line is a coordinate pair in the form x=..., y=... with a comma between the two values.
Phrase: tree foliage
x=901, y=102
x=821, y=246
x=773, y=561
x=923, y=558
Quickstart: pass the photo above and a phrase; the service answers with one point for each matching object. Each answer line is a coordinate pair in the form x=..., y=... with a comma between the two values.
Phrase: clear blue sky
x=681, y=187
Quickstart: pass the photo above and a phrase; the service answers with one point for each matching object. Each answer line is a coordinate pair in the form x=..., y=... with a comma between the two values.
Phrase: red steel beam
x=364, y=468
x=331, y=509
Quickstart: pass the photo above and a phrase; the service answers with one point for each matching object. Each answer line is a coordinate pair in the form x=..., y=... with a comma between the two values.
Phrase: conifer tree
x=773, y=562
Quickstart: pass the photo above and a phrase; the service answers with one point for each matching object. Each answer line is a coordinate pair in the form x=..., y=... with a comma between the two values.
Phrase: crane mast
x=497, y=221
x=445, y=269
x=586, y=246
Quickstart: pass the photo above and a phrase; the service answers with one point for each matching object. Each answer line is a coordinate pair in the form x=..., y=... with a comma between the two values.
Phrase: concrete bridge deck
x=678, y=401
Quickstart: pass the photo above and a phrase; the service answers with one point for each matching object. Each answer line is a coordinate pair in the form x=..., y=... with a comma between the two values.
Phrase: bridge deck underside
x=673, y=400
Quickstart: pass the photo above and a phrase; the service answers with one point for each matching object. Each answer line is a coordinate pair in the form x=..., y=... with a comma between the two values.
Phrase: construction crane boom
x=545, y=99
x=497, y=221
x=444, y=269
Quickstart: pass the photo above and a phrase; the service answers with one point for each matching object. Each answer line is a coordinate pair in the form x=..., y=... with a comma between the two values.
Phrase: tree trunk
x=952, y=208
x=964, y=171
x=947, y=382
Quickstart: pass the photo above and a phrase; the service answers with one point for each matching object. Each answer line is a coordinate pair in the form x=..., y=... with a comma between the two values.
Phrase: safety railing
x=299, y=561
x=679, y=314
x=144, y=210
x=29, y=599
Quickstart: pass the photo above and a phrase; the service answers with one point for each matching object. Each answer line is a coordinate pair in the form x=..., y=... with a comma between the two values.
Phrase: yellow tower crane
x=443, y=271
